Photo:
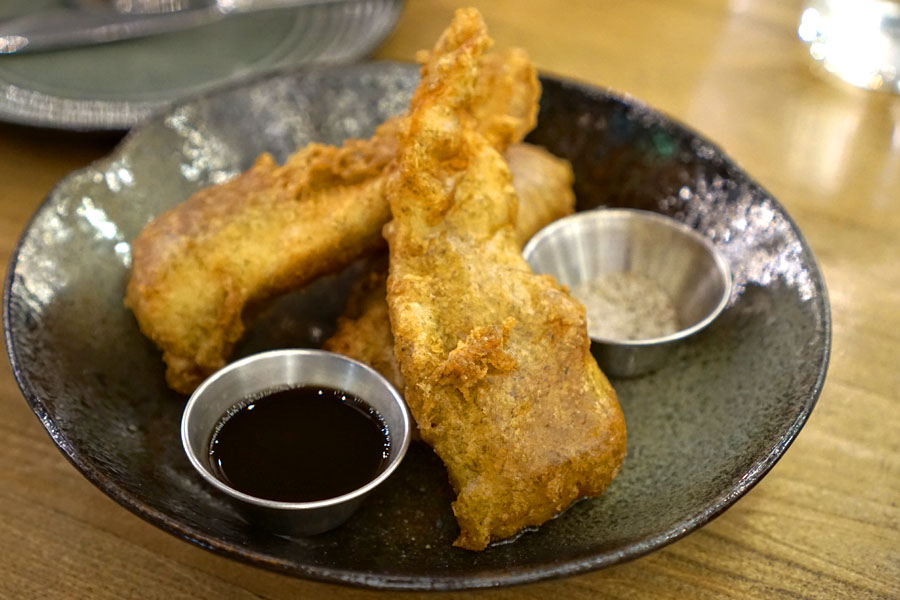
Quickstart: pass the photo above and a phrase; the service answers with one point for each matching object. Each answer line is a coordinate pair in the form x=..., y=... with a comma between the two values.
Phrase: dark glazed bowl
x=702, y=430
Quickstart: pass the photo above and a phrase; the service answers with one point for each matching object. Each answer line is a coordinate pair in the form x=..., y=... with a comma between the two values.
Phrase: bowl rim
x=489, y=577
x=297, y=355
x=621, y=214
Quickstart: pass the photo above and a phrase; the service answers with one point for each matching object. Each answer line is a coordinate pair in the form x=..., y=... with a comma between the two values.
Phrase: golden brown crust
x=197, y=267
x=543, y=185
x=364, y=330
x=497, y=362
x=271, y=229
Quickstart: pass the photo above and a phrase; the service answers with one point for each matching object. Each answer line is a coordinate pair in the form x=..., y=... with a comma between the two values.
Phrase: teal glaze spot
x=663, y=142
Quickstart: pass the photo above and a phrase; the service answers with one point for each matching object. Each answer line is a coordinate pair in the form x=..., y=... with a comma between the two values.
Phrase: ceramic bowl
x=702, y=430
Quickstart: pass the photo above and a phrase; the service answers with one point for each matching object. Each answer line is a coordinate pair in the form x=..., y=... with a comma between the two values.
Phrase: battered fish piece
x=543, y=185
x=198, y=267
x=496, y=359
x=364, y=330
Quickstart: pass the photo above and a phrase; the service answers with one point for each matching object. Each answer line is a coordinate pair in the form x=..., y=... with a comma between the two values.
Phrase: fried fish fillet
x=543, y=185
x=496, y=359
x=196, y=268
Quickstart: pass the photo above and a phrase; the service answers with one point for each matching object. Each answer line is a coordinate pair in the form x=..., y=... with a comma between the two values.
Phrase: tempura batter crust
x=197, y=267
x=543, y=185
x=496, y=360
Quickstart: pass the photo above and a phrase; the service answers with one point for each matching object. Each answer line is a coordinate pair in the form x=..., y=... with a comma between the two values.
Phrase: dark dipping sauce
x=300, y=445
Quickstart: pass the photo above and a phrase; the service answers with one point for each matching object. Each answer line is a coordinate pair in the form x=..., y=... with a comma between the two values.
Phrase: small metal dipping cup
x=278, y=370
x=685, y=264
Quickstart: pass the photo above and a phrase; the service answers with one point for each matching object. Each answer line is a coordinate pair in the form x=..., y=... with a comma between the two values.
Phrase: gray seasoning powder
x=626, y=306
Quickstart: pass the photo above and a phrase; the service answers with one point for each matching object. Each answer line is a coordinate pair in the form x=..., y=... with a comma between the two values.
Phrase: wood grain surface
x=825, y=523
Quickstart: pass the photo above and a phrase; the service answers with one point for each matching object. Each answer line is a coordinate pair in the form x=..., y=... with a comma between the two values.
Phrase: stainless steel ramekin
x=684, y=263
x=273, y=371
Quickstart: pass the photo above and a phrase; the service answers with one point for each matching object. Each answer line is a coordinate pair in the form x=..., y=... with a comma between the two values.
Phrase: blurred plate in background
x=115, y=86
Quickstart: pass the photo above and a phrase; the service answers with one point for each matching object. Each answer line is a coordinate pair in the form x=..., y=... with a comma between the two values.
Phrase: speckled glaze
x=701, y=431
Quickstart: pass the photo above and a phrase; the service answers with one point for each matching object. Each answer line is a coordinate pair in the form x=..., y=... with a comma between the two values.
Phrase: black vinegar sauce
x=300, y=445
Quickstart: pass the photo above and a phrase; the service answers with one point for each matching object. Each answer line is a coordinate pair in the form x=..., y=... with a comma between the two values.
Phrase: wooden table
x=825, y=523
